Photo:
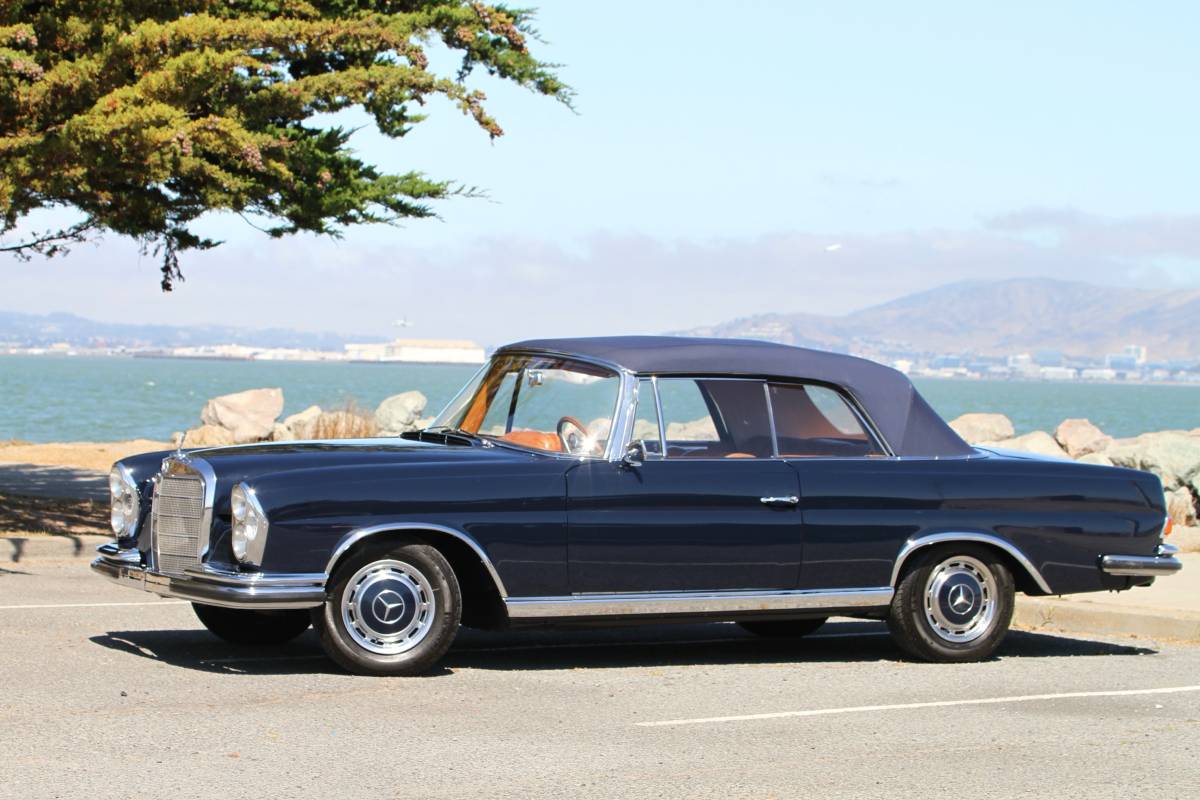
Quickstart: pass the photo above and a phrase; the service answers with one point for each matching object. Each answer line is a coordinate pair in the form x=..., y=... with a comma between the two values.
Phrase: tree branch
x=52, y=244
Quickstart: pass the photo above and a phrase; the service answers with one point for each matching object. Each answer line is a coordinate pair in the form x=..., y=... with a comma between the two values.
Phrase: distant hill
x=997, y=318
x=36, y=330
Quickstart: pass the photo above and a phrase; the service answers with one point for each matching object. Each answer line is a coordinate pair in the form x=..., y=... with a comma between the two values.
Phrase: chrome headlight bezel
x=124, y=502
x=249, y=536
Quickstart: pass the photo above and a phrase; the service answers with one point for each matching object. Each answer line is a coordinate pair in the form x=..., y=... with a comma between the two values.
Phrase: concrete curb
x=1080, y=616
x=21, y=549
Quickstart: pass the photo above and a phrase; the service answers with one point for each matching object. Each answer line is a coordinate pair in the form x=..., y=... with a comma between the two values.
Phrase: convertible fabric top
x=893, y=404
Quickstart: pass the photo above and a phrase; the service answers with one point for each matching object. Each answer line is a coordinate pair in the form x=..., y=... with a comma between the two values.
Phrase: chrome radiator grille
x=177, y=520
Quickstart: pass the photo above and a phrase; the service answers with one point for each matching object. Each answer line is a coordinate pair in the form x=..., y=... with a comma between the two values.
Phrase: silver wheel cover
x=960, y=599
x=388, y=607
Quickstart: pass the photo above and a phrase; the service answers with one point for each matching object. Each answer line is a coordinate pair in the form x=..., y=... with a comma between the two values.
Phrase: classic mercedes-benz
x=617, y=480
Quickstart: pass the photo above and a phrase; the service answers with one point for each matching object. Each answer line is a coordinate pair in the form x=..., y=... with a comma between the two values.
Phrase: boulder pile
x=253, y=416
x=1174, y=456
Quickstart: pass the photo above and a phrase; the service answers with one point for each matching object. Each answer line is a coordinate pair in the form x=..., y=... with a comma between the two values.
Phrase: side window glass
x=817, y=421
x=715, y=418
x=645, y=420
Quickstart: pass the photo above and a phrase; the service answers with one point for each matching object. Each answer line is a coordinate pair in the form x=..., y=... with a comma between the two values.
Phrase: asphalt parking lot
x=112, y=693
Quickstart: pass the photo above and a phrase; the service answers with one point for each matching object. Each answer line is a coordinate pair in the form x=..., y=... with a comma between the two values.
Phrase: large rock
x=297, y=426
x=1095, y=458
x=400, y=413
x=977, y=428
x=249, y=416
x=697, y=430
x=1174, y=456
x=1038, y=442
x=1181, y=507
x=208, y=436
x=1080, y=437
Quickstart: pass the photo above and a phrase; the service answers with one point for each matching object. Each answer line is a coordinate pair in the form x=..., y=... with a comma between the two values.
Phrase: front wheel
x=954, y=605
x=241, y=626
x=391, y=609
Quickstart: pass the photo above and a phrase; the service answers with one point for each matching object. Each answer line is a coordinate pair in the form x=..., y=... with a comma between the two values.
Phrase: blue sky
x=729, y=159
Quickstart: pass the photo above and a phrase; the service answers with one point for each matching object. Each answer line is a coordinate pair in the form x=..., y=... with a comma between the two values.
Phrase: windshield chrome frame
x=621, y=419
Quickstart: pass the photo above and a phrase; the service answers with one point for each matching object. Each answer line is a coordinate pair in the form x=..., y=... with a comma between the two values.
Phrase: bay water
x=85, y=398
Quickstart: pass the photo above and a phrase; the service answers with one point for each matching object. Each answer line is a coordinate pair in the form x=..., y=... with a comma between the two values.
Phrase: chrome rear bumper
x=1163, y=562
x=213, y=587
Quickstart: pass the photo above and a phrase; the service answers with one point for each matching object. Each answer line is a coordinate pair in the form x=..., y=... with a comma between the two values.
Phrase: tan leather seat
x=539, y=440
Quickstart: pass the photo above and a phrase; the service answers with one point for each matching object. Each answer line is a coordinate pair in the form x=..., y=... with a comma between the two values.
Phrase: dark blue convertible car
x=616, y=480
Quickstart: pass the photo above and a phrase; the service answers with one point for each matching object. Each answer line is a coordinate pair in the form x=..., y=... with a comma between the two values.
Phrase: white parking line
x=822, y=712
x=99, y=605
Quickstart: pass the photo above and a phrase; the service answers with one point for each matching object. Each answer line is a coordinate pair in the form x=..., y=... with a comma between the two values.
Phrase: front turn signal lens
x=1168, y=526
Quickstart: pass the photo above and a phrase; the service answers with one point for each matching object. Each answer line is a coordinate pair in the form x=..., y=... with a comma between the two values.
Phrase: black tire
x=390, y=609
x=783, y=628
x=241, y=626
x=959, y=624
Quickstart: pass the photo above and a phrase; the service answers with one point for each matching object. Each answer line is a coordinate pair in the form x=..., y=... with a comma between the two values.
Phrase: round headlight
x=249, y=525
x=123, y=501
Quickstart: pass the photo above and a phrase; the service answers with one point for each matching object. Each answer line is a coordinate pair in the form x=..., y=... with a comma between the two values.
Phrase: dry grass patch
x=345, y=422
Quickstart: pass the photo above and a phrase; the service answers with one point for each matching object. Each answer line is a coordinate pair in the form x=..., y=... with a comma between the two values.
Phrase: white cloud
x=499, y=288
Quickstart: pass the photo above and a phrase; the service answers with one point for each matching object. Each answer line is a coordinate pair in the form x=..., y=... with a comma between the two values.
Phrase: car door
x=858, y=505
x=709, y=508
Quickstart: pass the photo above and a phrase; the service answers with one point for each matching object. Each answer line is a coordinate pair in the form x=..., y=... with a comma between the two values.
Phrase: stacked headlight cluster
x=249, y=525
x=123, y=502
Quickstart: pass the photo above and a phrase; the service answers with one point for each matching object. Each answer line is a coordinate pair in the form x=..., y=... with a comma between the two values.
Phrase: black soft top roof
x=894, y=405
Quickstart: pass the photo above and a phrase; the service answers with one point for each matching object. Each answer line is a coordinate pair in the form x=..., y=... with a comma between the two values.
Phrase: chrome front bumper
x=1163, y=562
x=213, y=587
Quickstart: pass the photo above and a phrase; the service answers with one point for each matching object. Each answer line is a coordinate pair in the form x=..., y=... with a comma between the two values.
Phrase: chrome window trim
x=699, y=602
x=662, y=430
x=771, y=419
x=912, y=545
x=877, y=440
x=358, y=534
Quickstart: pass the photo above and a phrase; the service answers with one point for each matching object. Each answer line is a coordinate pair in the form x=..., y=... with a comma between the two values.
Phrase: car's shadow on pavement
x=649, y=646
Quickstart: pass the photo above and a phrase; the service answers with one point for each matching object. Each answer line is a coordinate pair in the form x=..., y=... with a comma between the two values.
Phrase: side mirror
x=635, y=454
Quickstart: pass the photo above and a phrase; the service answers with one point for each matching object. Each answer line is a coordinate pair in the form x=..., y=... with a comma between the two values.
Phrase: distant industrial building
x=419, y=351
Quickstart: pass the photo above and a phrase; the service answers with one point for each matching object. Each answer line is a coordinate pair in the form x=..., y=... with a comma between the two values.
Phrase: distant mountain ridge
x=995, y=318
x=40, y=330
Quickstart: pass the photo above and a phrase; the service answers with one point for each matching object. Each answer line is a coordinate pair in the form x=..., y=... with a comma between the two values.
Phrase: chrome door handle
x=790, y=500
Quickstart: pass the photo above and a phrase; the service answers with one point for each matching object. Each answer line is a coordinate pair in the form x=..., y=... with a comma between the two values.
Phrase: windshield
x=541, y=402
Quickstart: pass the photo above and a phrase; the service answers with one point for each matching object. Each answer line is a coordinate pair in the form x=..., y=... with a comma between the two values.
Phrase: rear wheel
x=783, y=628
x=954, y=604
x=390, y=609
x=241, y=626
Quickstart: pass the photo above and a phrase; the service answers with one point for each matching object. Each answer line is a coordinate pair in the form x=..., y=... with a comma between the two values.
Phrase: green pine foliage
x=145, y=114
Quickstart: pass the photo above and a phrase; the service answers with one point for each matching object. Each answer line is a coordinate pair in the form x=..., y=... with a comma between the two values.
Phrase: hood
x=246, y=462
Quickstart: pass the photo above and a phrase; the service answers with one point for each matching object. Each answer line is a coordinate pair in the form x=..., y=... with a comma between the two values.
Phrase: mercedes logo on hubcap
x=961, y=599
x=388, y=606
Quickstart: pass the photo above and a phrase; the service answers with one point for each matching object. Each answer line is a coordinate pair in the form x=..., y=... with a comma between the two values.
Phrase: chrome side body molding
x=670, y=603
x=912, y=545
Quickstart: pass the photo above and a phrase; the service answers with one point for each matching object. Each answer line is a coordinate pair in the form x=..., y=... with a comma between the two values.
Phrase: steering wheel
x=573, y=434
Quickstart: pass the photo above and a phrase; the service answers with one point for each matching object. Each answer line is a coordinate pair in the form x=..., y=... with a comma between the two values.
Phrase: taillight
x=1168, y=526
